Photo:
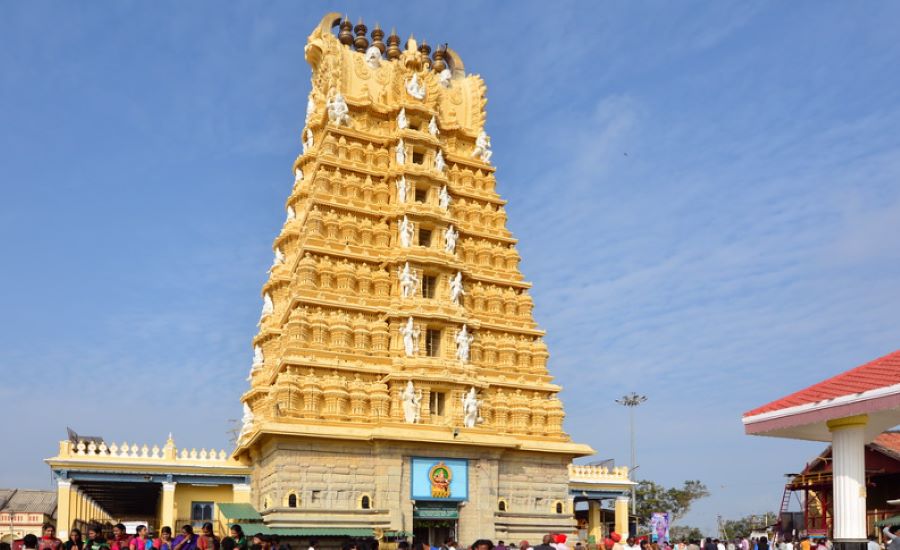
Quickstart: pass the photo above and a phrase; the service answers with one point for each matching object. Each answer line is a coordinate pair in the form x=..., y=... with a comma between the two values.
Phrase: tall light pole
x=631, y=401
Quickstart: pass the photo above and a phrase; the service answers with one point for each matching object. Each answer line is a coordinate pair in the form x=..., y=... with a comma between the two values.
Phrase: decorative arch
x=365, y=501
x=502, y=505
x=291, y=500
x=559, y=507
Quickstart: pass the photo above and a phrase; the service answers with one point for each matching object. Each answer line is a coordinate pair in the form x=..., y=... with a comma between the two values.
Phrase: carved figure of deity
x=338, y=112
x=400, y=152
x=463, y=341
x=439, y=163
x=471, y=407
x=402, y=122
x=290, y=214
x=409, y=281
x=450, y=237
x=410, y=335
x=402, y=189
x=246, y=421
x=310, y=108
x=268, y=306
x=373, y=57
x=407, y=230
x=456, y=288
x=415, y=88
x=298, y=176
x=444, y=198
x=412, y=403
x=444, y=77
x=482, y=147
x=308, y=142
x=258, y=357
x=433, y=127
x=278, y=260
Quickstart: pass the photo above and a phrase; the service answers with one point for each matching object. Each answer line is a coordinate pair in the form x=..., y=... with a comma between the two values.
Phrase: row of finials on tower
x=346, y=32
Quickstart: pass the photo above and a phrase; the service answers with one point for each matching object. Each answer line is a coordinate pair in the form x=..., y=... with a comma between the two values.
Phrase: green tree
x=652, y=497
x=742, y=527
x=685, y=532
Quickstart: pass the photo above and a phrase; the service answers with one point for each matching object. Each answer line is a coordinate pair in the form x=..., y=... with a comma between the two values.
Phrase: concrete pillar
x=848, y=441
x=622, y=516
x=595, y=527
x=167, y=505
x=63, y=510
x=240, y=492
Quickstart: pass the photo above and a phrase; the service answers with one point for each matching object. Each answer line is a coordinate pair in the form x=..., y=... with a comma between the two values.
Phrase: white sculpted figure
x=482, y=147
x=471, y=406
x=408, y=281
x=310, y=108
x=268, y=306
x=338, y=112
x=246, y=421
x=308, y=142
x=463, y=341
x=400, y=153
x=402, y=122
x=298, y=176
x=444, y=198
x=439, y=163
x=444, y=77
x=410, y=337
x=278, y=260
x=373, y=57
x=456, y=288
x=415, y=88
x=258, y=357
x=412, y=403
x=290, y=214
x=406, y=232
x=450, y=237
x=432, y=127
x=402, y=189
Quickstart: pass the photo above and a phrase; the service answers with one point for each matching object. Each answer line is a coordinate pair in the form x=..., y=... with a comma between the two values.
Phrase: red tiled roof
x=882, y=372
x=889, y=440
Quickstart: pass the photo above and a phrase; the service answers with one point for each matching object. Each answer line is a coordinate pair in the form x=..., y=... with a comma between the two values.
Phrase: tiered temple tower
x=397, y=333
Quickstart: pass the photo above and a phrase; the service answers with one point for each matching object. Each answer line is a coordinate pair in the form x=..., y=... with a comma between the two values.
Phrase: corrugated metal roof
x=24, y=500
x=239, y=511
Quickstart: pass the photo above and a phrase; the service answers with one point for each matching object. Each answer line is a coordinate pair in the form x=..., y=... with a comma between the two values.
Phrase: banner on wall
x=439, y=479
x=659, y=526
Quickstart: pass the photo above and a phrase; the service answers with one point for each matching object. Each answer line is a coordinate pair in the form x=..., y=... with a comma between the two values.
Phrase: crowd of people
x=119, y=539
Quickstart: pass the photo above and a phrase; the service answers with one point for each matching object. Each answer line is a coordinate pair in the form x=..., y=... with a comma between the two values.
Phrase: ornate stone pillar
x=622, y=516
x=167, y=505
x=848, y=440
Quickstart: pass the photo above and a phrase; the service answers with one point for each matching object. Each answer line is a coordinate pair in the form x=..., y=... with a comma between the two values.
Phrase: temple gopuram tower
x=399, y=381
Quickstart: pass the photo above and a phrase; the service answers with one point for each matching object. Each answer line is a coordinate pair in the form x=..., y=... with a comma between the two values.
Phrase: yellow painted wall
x=186, y=494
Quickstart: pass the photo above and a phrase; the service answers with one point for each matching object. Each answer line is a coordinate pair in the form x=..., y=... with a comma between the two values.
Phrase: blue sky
x=707, y=197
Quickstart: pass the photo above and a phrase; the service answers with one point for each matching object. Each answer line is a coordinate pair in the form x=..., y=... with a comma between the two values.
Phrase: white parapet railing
x=125, y=452
x=598, y=474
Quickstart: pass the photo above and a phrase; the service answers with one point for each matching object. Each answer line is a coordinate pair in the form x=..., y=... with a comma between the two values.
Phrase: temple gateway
x=399, y=382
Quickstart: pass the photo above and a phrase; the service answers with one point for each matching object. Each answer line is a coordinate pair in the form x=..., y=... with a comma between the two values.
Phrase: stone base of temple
x=860, y=544
x=497, y=493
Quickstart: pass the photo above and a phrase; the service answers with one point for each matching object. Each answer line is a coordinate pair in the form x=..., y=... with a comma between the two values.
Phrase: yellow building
x=24, y=512
x=157, y=486
x=399, y=380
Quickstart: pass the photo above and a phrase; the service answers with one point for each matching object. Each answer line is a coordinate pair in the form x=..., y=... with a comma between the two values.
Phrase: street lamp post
x=631, y=401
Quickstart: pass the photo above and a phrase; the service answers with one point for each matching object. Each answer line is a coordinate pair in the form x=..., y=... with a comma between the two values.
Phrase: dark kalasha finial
x=346, y=34
x=439, y=54
x=393, y=45
x=361, y=43
x=425, y=50
x=377, y=38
